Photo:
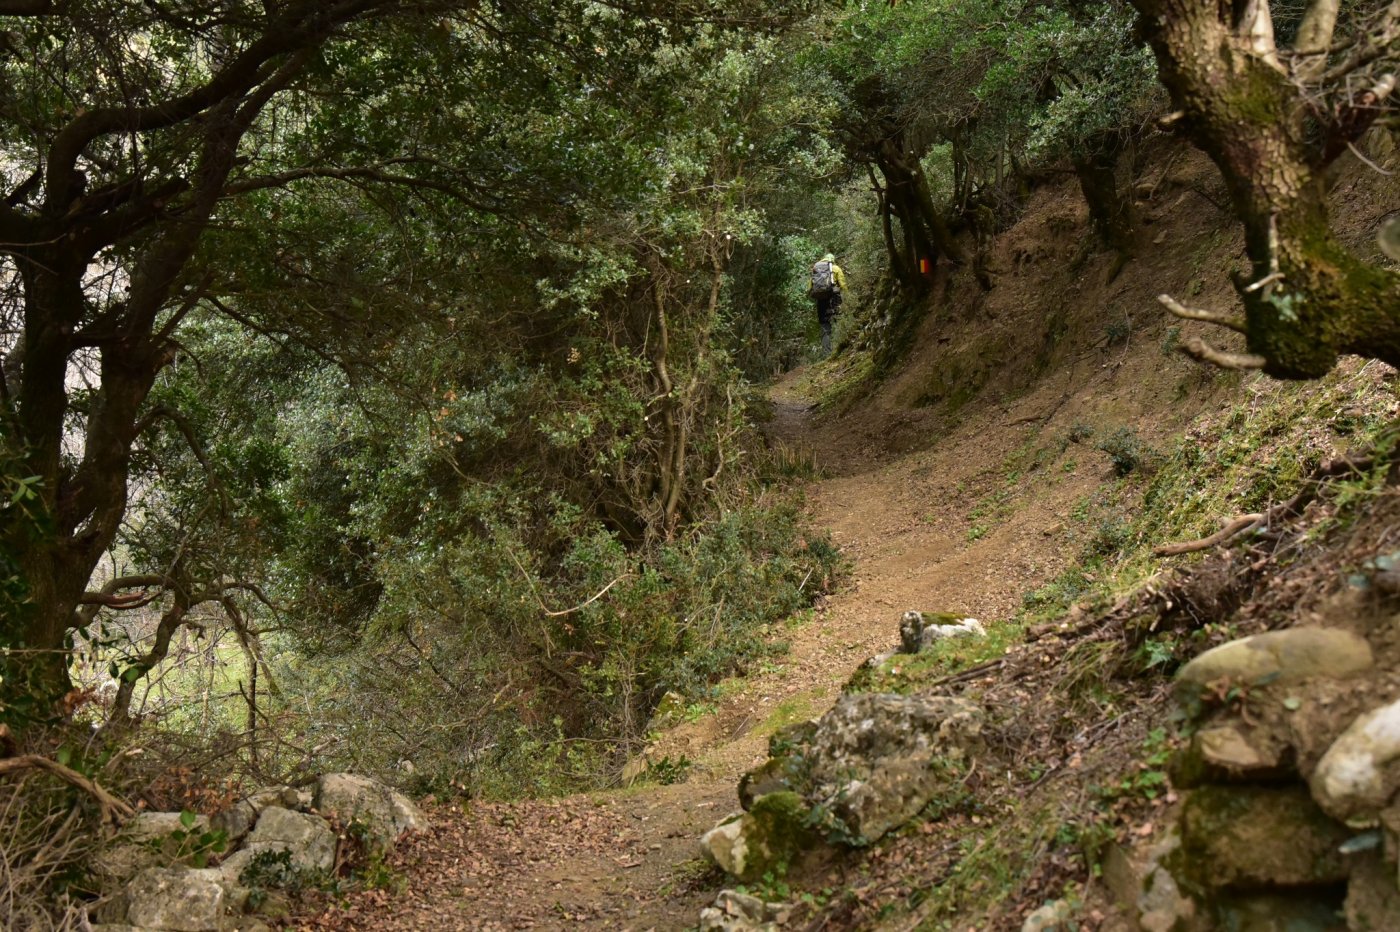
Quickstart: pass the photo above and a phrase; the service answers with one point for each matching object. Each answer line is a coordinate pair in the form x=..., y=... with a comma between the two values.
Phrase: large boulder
x=377, y=813
x=1281, y=657
x=176, y=899
x=1360, y=772
x=876, y=760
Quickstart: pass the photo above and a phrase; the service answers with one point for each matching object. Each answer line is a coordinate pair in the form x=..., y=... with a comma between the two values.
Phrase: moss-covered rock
x=1257, y=838
x=1280, y=657
x=766, y=840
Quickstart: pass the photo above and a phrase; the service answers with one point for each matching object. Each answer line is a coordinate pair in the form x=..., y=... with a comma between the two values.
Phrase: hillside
x=1000, y=505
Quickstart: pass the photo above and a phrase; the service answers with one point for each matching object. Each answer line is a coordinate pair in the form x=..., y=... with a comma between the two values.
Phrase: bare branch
x=1232, y=529
x=302, y=26
x=113, y=809
x=1209, y=317
x=1314, y=39
x=1377, y=43
x=374, y=174
x=1199, y=349
x=1256, y=27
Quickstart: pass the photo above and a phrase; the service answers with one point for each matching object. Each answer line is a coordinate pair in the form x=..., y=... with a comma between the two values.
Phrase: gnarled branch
x=1209, y=317
x=1199, y=349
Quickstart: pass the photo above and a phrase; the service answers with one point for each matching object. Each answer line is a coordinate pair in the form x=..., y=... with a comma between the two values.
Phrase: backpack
x=823, y=281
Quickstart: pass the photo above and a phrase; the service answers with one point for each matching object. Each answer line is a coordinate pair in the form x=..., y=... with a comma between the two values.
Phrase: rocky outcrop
x=1290, y=815
x=876, y=760
x=156, y=885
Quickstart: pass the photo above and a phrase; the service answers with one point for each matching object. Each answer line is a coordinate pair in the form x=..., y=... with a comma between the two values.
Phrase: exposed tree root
x=1328, y=470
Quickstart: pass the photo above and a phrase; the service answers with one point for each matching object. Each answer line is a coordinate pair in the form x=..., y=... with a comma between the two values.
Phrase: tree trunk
x=1110, y=212
x=1307, y=298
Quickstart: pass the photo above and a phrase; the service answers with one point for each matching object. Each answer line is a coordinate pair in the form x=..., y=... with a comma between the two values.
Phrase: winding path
x=941, y=529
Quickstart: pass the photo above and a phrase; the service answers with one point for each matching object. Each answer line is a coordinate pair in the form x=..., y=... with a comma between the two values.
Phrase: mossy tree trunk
x=1307, y=299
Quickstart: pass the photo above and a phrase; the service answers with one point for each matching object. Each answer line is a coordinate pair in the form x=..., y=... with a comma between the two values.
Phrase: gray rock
x=1146, y=890
x=236, y=821
x=381, y=813
x=917, y=630
x=146, y=840
x=1052, y=917
x=175, y=899
x=1354, y=779
x=284, y=796
x=1281, y=657
x=767, y=839
x=669, y=711
x=962, y=628
x=770, y=777
x=725, y=846
x=146, y=826
x=234, y=865
x=877, y=760
x=738, y=912
x=309, y=838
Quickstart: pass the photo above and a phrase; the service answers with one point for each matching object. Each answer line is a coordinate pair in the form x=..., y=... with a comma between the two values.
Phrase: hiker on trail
x=828, y=281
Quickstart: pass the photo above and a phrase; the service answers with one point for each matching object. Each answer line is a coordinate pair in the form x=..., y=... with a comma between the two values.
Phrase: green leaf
x=187, y=819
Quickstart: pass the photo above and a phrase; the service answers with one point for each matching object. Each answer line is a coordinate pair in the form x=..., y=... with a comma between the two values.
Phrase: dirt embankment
x=952, y=486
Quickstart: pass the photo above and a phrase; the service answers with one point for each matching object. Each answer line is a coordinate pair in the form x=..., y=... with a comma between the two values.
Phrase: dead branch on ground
x=113, y=809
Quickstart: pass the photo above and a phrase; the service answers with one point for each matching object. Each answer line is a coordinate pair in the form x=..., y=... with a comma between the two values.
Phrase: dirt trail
x=628, y=859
